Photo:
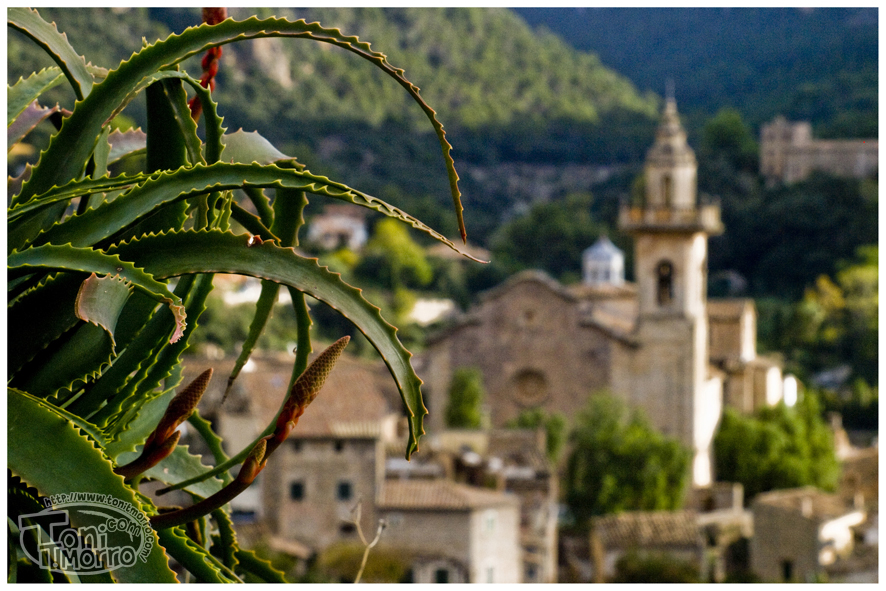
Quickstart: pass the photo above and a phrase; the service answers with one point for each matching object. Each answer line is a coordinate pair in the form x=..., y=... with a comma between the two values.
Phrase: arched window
x=667, y=190
x=665, y=291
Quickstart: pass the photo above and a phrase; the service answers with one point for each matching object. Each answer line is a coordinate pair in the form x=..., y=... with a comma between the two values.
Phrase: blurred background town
x=668, y=371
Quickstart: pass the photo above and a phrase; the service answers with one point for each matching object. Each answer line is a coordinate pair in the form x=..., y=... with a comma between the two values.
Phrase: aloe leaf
x=79, y=422
x=259, y=567
x=262, y=204
x=38, y=315
x=177, y=466
x=69, y=150
x=119, y=410
x=101, y=154
x=225, y=544
x=124, y=143
x=66, y=258
x=139, y=428
x=247, y=147
x=48, y=452
x=67, y=364
x=179, y=253
x=27, y=90
x=56, y=44
x=79, y=188
x=95, y=225
x=121, y=379
x=26, y=122
x=180, y=115
x=100, y=301
x=200, y=563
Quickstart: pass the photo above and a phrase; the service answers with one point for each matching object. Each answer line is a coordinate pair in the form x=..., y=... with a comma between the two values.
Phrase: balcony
x=704, y=218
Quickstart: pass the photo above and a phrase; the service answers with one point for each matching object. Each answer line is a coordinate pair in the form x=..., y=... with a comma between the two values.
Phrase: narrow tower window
x=665, y=274
x=667, y=190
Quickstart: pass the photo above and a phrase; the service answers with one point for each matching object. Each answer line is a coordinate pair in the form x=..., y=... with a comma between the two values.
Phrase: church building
x=658, y=343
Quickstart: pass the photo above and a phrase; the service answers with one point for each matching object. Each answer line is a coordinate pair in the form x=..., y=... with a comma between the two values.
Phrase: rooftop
x=439, y=494
x=640, y=529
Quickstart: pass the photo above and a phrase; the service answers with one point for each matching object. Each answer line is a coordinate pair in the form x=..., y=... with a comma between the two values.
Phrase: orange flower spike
x=306, y=388
x=180, y=408
x=165, y=436
x=254, y=462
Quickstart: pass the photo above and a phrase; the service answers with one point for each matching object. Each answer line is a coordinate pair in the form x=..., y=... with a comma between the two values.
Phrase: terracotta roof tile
x=644, y=529
x=439, y=494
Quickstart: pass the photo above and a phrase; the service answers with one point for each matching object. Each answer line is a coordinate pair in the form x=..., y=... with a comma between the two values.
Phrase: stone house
x=788, y=153
x=512, y=461
x=674, y=534
x=799, y=532
x=659, y=344
x=303, y=502
x=339, y=226
x=454, y=532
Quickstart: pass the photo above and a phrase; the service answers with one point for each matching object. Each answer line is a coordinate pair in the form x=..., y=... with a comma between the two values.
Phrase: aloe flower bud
x=305, y=389
x=163, y=440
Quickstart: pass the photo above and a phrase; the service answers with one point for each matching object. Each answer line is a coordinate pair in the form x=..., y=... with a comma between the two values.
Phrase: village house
x=659, y=344
x=789, y=154
x=799, y=532
x=339, y=226
x=341, y=454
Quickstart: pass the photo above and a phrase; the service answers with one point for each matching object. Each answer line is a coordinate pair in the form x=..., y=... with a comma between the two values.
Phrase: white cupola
x=603, y=264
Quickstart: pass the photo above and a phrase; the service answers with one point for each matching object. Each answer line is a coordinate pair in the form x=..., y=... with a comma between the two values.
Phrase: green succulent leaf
x=125, y=143
x=100, y=301
x=245, y=148
x=26, y=121
x=70, y=149
x=96, y=225
x=67, y=258
x=56, y=44
x=27, y=90
x=179, y=253
x=48, y=452
x=196, y=559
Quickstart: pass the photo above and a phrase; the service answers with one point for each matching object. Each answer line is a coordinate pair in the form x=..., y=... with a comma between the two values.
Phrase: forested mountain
x=504, y=93
x=477, y=67
x=815, y=64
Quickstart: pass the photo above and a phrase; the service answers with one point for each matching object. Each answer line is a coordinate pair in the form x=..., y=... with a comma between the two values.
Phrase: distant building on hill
x=789, y=154
x=339, y=226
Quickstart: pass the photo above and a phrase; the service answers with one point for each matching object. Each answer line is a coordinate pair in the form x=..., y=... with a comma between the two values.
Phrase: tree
x=618, y=462
x=634, y=568
x=466, y=396
x=393, y=259
x=554, y=425
x=550, y=236
x=727, y=136
x=780, y=447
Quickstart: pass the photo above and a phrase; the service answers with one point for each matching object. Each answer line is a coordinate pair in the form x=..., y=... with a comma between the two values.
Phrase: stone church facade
x=654, y=343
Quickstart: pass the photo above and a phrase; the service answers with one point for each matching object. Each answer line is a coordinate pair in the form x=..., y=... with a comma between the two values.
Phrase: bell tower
x=667, y=371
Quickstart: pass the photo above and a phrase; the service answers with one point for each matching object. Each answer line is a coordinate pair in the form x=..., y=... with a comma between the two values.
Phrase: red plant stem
x=211, y=16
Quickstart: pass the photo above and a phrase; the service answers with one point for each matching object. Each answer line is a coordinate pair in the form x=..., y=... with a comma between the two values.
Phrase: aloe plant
x=108, y=275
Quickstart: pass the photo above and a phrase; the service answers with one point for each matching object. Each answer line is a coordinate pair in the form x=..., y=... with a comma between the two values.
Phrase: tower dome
x=603, y=264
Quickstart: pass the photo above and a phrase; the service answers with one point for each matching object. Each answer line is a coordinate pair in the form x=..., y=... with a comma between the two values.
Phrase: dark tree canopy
x=618, y=462
x=779, y=448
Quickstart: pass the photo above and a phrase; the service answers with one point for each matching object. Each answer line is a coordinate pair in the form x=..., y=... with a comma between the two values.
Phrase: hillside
x=816, y=64
x=477, y=67
x=504, y=93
